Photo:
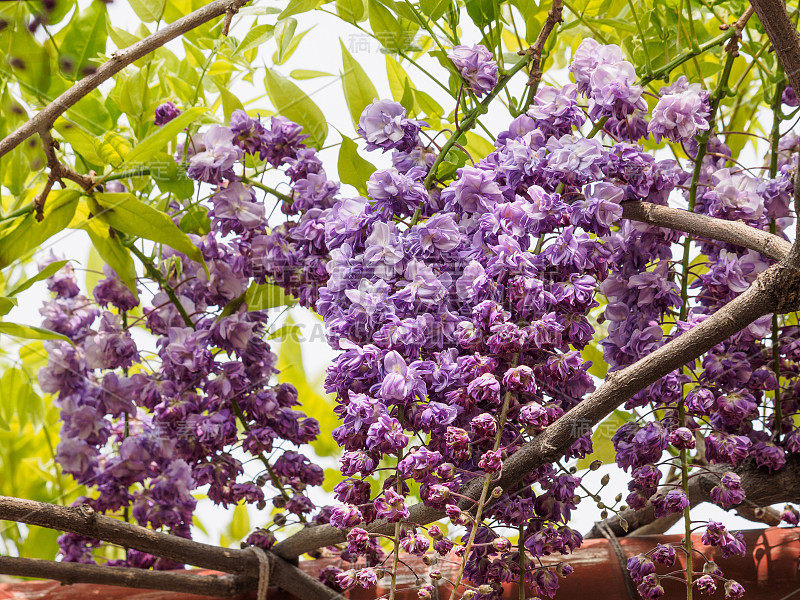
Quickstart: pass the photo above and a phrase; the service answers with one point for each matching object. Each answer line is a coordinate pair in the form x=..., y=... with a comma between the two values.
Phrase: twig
x=45, y=118
x=58, y=172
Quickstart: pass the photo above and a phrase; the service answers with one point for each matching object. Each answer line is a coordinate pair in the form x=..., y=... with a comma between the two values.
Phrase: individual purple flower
x=664, y=554
x=768, y=455
x=729, y=492
x=717, y=535
x=345, y=516
x=477, y=66
x=733, y=590
x=215, y=163
x=789, y=97
x=235, y=204
x=556, y=110
x=674, y=501
x=475, y=190
x=640, y=566
x=383, y=124
x=165, y=113
x=248, y=133
x=682, y=438
x=491, y=461
x=282, y=141
x=706, y=584
x=650, y=587
x=395, y=193
x=587, y=57
x=112, y=290
x=391, y=506
x=681, y=113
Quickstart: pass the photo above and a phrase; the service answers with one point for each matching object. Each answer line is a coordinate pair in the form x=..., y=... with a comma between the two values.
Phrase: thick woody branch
x=761, y=488
x=45, y=118
x=729, y=232
x=69, y=573
x=84, y=521
x=782, y=35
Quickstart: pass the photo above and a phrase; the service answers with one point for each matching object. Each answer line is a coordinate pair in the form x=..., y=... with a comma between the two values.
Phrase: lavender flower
x=681, y=113
x=477, y=66
x=165, y=113
x=383, y=124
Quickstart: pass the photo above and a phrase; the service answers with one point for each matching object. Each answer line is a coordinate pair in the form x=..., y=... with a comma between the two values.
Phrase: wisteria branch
x=736, y=233
x=69, y=573
x=85, y=521
x=45, y=118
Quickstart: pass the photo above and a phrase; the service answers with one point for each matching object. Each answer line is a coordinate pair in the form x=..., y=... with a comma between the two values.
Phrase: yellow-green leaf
x=358, y=89
x=293, y=103
x=352, y=168
x=125, y=213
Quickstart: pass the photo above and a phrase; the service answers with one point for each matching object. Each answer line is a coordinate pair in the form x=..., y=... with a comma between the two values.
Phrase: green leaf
x=149, y=11
x=195, y=221
x=602, y=446
x=48, y=271
x=30, y=332
x=593, y=353
x=240, y=523
x=482, y=12
x=110, y=250
x=352, y=11
x=113, y=149
x=290, y=101
x=283, y=55
x=397, y=77
x=433, y=9
x=307, y=74
x=290, y=365
x=125, y=213
x=26, y=233
x=81, y=142
x=386, y=27
x=155, y=142
x=284, y=32
x=299, y=6
x=6, y=305
x=169, y=176
x=358, y=89
x=85, y=39
x=352, y=168
x=261, y=296
x=230, y=102
x=254, y=38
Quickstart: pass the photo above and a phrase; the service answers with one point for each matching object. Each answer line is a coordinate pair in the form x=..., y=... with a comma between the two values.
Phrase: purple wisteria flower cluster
x=461, y=309
x=145, y=434
x=460, y=312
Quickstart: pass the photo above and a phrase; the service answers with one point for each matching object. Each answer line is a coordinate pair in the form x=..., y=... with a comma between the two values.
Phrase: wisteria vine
x=460, y=311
